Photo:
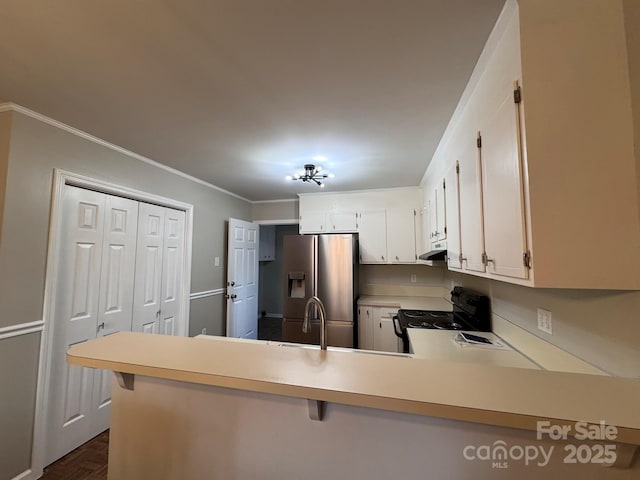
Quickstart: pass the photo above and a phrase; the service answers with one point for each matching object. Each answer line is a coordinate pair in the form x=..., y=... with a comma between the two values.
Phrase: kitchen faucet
x=323, y=320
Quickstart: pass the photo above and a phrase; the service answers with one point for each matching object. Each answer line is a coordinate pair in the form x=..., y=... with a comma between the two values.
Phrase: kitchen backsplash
x=601, y=327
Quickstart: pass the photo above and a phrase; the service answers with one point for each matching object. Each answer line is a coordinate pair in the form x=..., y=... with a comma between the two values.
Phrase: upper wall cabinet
x=267, y=246
x=544, y=143
x=384, y=219
x=437, y=212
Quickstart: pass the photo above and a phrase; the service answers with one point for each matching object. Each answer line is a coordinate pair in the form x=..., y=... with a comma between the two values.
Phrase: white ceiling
x=241, y=93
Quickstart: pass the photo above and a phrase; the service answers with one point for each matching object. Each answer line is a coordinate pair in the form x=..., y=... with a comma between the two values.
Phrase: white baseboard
x=26, y=475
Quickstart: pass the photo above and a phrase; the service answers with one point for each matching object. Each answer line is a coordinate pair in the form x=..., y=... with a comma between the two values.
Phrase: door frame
x=60, y=179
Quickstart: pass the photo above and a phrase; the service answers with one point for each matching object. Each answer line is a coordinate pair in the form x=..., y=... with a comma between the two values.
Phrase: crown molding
x=5, y=107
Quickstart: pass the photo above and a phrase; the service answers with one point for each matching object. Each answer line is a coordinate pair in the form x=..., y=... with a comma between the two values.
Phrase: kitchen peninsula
x=197, y=408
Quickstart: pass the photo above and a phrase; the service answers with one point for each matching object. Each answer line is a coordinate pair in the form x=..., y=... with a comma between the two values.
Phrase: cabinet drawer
x=383, y=312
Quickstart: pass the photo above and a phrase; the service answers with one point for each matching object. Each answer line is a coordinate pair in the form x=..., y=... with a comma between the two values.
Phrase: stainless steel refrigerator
x=325, y=266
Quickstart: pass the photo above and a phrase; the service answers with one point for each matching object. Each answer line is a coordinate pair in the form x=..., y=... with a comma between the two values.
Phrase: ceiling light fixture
x=311, y=174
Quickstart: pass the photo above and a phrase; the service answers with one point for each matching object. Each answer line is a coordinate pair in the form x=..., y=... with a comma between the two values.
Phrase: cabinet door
x=343, y=222
x=433, y=217
x=401, y=235
x=437, y=209
x=441, y=209
x=313, y=222
x=267, y=242
x=372, y=229
x=425, y=229
x=503, y=195
x=452, y=217
x=471, y=224
x=365, y=327
x=384, y=337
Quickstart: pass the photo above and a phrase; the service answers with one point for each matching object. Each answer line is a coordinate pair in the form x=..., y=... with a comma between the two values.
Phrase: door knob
x=231, y=284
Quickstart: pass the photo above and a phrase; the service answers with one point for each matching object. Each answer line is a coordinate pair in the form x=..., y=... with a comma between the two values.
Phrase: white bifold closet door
x=159, y=270
x=120, y=267
x=94, y=297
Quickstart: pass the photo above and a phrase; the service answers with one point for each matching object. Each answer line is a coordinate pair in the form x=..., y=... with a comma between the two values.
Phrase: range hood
x=437, y=253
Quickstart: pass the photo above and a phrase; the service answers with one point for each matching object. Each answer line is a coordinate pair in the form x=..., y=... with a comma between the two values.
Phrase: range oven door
x=401, y=333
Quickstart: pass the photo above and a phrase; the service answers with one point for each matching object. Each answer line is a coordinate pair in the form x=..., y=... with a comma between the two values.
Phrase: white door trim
x=60, y=179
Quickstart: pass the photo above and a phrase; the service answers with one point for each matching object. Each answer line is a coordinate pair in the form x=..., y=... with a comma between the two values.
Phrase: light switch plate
x=216, y=261
x=545, y=321
x=414, y=278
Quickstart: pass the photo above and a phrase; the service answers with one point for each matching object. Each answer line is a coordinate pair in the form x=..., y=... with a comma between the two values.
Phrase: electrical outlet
x=414, y=278
x=216, y=262
x=204, y=331
x=544, y=321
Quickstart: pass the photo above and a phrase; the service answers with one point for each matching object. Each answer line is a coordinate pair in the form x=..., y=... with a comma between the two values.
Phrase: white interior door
x=75, y=320
x=115, y=304
x=147, y=302
x=172, y=271
x=242, y=279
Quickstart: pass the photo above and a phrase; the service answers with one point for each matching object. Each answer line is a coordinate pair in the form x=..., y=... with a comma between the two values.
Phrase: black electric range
x=471, y=311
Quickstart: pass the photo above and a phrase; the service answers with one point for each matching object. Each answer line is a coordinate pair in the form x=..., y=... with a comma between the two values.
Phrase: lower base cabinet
x=375, y=329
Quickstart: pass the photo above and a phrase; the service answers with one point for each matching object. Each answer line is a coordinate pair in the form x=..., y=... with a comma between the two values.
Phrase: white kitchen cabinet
x=375, y=329
x=550, y=176
x=384, y=337
x=313, y=222
x=328, y=222
x=401, y=236
x=437, y=213
x=365, y=327
x=505, y=237
x=470, y=211
x=343, y=222
x=372, y=229
x=452, y=199
x=267, y=247
x=387, y=235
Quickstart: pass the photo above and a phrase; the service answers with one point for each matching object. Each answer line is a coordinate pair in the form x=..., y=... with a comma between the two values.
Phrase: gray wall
x=270, y=299
x=18, y=373
x=5, y=126
x=36, y=149
x=632, y=30
x=278, y=210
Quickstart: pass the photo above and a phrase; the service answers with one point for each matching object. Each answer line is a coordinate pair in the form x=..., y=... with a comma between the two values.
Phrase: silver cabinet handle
x=101, y=326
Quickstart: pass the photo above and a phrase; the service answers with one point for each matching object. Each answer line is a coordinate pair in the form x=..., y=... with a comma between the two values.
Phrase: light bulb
x=296, y=176
x=331, y=175
x=288, y=177
x=318, y=168
x=321, y=185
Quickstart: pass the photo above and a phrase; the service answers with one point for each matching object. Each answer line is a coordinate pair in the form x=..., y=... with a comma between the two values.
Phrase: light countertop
x=514, y=397
x=412, y=303
x=439, y=345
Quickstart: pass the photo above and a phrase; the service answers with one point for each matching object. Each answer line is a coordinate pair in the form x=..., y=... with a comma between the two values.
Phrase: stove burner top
x=415, y=313
x=420, y=325
x=448, y=326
